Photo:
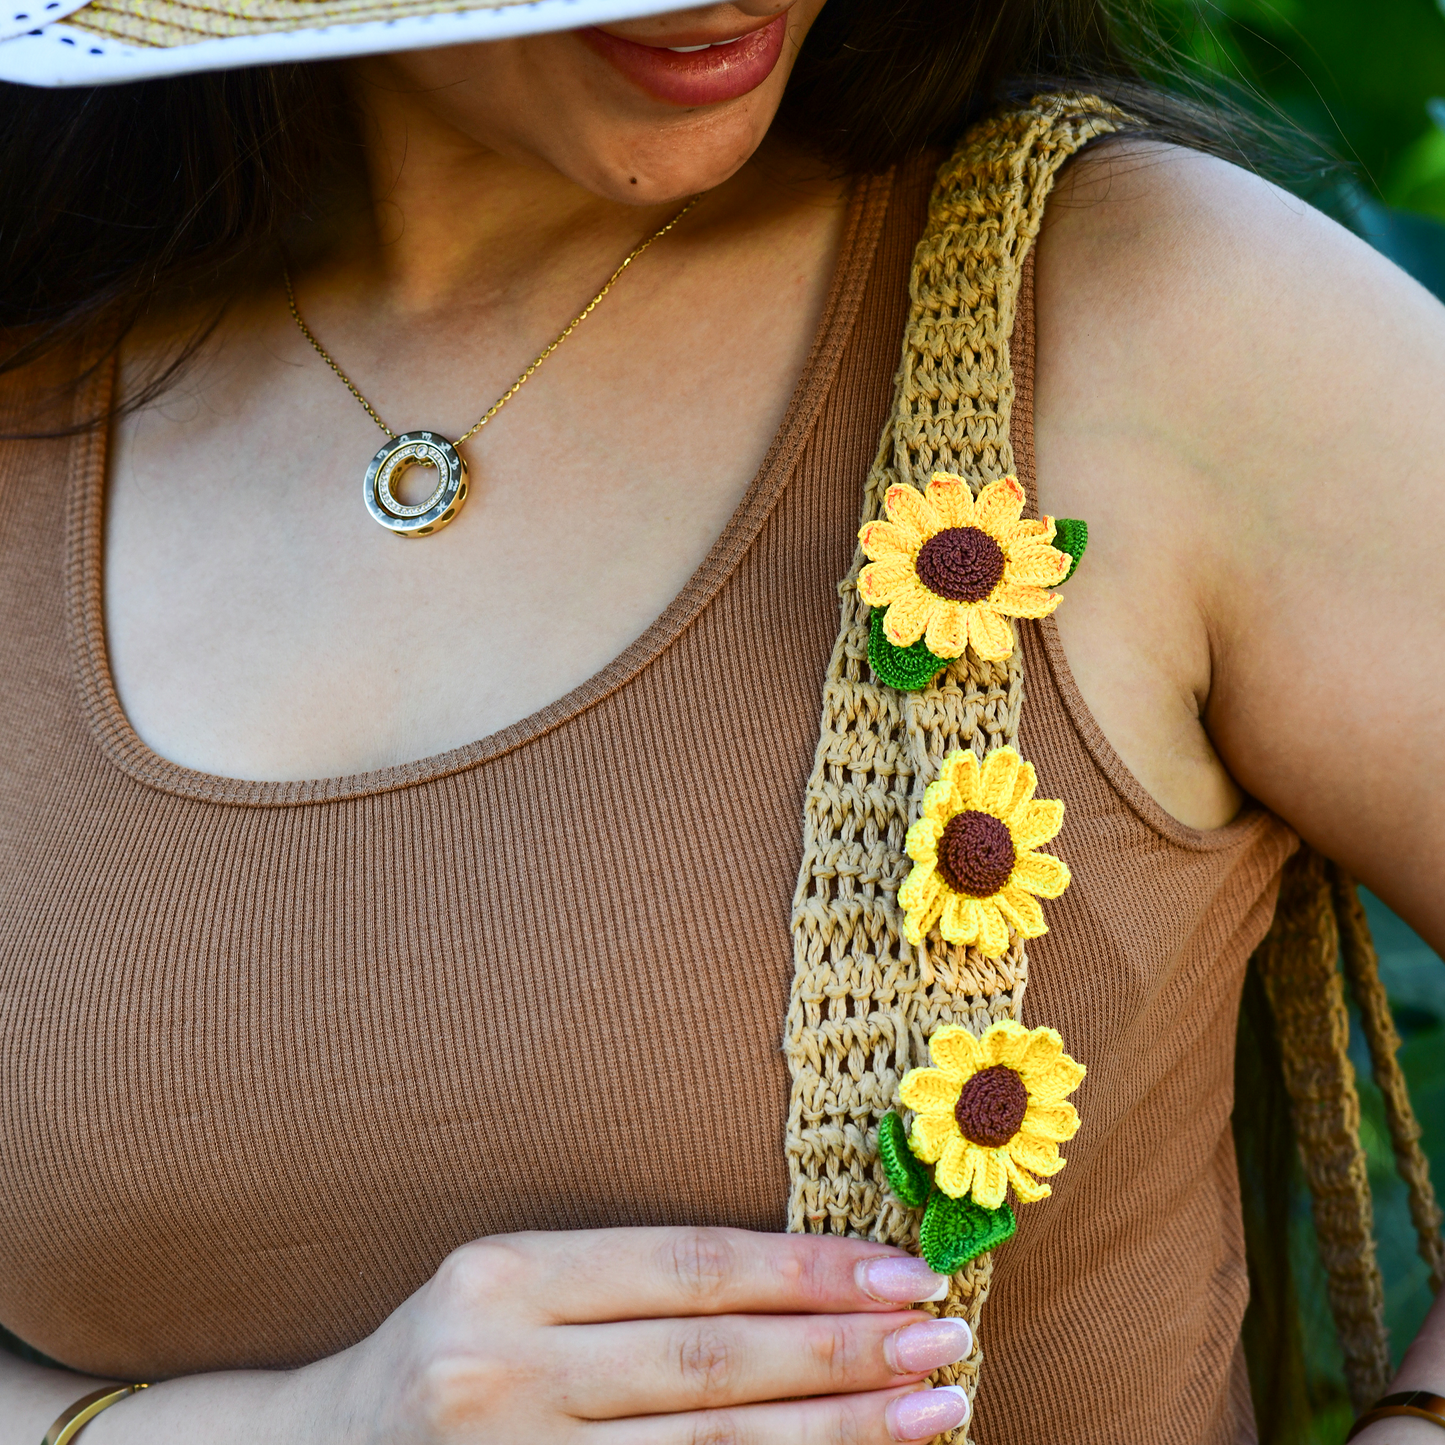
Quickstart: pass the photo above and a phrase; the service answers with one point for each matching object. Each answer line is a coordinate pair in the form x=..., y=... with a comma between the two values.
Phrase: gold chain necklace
x=431, y=450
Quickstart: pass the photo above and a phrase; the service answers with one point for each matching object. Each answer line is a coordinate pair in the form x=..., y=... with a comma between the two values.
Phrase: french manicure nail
x=898, y=1279
x=927, y=1413
x=928, y=1345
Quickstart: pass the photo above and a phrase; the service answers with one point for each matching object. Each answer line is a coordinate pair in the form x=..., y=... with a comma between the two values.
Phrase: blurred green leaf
x=1415, y=243
x=1416, y=179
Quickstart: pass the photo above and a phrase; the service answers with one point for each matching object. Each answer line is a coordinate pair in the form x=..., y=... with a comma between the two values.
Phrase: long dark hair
x=110, y=197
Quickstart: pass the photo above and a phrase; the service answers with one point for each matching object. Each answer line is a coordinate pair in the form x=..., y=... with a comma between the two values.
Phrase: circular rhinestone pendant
x=416, y=449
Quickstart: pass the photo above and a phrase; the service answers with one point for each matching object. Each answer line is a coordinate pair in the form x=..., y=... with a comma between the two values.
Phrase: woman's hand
x=618, y=1337
x=655, y=1336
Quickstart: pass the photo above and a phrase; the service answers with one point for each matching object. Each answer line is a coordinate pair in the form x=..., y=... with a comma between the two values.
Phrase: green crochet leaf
x=1071, y=536
x=955, y=1231
x=907, y=1177
x=907, y=668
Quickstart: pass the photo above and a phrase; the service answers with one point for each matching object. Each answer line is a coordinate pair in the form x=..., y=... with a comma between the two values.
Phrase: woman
x=293, y=1066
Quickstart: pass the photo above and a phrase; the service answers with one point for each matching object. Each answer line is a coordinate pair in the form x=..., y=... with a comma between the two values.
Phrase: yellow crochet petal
x=940, y=799
x=990, y=634
x=880, y=582
x=930, y=1135
x=908, y=511
x=1038, y=1156
x=921, y=841
x=990, y=1177
x=1013, y=599
x=998, y=505
x=1045, y=1047
x=959, y=921
x=1024, y=786
x=992, y=939
x=1027, y=532
x=922, y=890
x=961, y=769
x=956, y=1167
x=947, y=633
x=1040, y=873
x=952, y=498
x=956, y=1052
x=908, y=613
x=929, y=1091
x=886, y=539
x=1052, y=1083
x=996, y=785
x=1059, y=1121
x=1022, y=910
x=1033, y=564
x=1004, y=1043
x=1028, y=1189
x=1035, y=823
x=918, y=919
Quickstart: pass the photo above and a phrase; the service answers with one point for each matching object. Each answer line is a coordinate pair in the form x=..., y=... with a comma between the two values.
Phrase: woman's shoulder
x=1235, y=358
x=1249, y=400
x=1193, y=288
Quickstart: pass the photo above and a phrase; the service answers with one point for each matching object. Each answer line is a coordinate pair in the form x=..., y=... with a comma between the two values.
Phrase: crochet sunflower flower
x=975, y=869
x=952, y=569
x=992, y=1111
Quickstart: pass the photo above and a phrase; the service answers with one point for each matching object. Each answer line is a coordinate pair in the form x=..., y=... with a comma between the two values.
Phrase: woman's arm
x=1248, y=405
x=1423, y=1368
x=244, y=1405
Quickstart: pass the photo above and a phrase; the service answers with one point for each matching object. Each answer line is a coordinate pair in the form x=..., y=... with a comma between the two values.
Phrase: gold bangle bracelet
x=1415, y=1404
x=73, y=1420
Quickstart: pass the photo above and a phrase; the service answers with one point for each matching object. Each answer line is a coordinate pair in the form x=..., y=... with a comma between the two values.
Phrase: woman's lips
x=698, y=77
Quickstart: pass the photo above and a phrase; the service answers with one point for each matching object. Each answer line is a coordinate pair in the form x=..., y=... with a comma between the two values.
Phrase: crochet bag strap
x=1319, y=924
x=863, y=1001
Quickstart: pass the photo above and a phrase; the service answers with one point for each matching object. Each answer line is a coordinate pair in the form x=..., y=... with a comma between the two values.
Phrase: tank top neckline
x=123, y=747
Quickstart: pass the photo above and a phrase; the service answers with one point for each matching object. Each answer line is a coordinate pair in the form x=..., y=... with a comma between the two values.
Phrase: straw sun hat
x=102, y=42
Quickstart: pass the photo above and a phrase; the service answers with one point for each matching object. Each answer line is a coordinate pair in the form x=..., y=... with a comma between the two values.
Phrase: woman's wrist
x=1400, y=1430
x=237, y=1407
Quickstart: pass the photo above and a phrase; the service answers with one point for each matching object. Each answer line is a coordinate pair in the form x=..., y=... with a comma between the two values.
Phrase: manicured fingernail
x=926, y=1414
x=915, y=1349
x=900, y=1280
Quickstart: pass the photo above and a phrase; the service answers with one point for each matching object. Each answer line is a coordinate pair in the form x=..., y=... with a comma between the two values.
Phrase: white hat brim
x=56, y=54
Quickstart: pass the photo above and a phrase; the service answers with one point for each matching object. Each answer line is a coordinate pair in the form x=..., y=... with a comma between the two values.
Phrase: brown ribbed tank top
x=268, y=1051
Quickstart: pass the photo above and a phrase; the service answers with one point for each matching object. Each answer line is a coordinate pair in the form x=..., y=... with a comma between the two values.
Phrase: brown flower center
x=991, y=1107
x=963, y=564
x=976, y=854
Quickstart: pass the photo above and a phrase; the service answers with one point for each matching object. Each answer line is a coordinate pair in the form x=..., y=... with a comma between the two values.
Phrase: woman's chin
x=633, y=122
x=654, y=171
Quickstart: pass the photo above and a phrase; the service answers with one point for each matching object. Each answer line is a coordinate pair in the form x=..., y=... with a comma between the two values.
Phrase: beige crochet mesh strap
x=1362, y=972
x=1297, y=961
x=1318, y=925
x=863, y=1002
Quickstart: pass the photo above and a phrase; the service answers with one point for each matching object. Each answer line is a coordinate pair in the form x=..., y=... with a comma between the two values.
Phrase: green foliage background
x=1365, y=79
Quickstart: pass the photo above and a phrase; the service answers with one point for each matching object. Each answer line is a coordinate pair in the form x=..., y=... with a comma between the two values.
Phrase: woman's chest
x=262, y=625
x=273, y=1049
x=265, y=1067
